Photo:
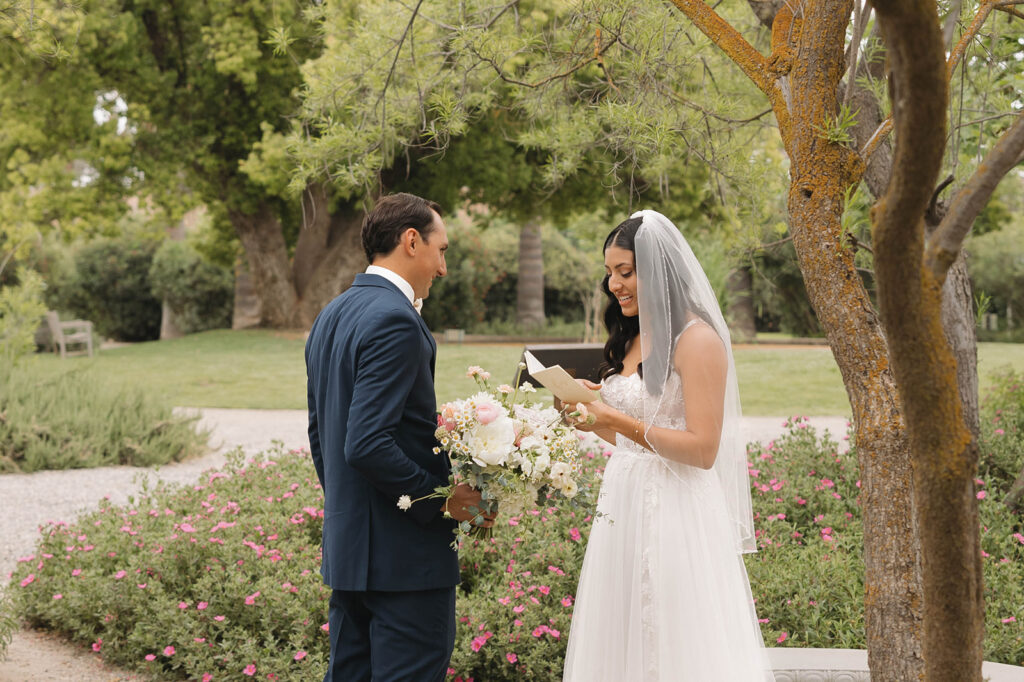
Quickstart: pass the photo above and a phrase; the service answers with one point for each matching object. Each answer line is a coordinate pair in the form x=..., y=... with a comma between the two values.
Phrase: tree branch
x=391, y=71
x=728, y=39
x=984, y=9
x=970, y=200
x=1011, y=11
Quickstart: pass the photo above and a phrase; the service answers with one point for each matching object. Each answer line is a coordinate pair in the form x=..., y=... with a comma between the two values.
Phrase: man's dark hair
x=393, y=215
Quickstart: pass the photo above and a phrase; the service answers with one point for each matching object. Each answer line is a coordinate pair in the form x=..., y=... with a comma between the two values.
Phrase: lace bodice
x=626, y=393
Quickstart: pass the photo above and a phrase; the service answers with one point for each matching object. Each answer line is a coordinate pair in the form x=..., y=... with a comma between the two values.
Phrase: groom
x=372, y=417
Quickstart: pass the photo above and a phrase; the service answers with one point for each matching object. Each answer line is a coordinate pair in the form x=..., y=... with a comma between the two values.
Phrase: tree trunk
x=740, y=286
x=821, y=173
x=593, y=305
x=329, y=252
x=263, y=241
x=246, y=311
x=168, y=325
x=957, y=298
x=342, y=259
x=944, y=453
x=961, y=334
x=530, y=290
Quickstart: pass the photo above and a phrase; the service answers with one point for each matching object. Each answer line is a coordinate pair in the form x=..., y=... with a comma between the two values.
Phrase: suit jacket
x=372, y=418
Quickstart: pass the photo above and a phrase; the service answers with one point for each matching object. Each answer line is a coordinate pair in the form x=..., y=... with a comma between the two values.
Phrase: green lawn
x=264, y=369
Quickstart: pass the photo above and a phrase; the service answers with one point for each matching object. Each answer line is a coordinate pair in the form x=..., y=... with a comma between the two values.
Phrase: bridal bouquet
x=513, y=451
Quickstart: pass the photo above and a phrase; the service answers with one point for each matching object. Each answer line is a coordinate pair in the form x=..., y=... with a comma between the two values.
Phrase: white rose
x=569, y=489
x=534, y=444
x=491, y=443
x=560, y=473
x=541, y=464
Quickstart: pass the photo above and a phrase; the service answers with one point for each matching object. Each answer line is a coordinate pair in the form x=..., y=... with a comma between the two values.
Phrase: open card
x=558, y=381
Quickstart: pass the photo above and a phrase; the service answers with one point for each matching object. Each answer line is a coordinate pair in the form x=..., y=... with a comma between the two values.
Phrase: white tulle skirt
x=663, y=594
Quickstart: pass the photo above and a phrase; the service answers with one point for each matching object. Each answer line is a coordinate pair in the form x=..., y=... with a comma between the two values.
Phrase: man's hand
x=465, y=505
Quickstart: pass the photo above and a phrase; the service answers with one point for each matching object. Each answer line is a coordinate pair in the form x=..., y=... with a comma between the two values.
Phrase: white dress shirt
x=398, y=281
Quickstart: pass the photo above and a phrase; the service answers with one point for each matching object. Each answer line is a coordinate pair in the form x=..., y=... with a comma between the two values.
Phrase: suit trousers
x=391, y=636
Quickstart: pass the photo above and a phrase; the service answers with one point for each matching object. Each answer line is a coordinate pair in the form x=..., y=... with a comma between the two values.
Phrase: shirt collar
x=398, y=281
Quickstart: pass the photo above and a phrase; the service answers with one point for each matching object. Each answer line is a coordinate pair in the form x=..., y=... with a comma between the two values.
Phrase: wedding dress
x=663, y=593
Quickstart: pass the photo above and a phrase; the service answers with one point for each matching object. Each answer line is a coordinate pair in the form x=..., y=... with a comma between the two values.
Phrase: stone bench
x=851, y=665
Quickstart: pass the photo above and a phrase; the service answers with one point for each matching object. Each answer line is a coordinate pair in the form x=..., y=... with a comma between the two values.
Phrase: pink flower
x=58, y=596
x=29, y=580
x=512, y=658
x=574, y=533
x=250, y=669
x=326, y=627
x=169, y=650
x=218, y=618
x=98, y=644
x=1011, y=619
x=201, y=606
x=486, y=413
x=567, y=601
x=782, y=638
x=182, y=605
x=150, y=657
x=981, y=495
x=207, y=677
x=251, y=599
x=999, y=432
x=77, y=572
x=120, y=574
x=299, y=655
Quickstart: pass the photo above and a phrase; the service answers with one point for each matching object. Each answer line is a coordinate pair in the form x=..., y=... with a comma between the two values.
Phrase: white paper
x=558, y=381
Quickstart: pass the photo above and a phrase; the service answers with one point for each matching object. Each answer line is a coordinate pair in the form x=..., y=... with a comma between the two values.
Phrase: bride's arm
x=701, y=358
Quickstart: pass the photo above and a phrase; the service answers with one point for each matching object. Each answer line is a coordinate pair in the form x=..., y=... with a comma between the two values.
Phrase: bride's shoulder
x=699, y=342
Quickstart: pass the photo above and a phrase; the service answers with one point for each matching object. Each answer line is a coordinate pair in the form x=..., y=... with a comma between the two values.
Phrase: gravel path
x=30, y=500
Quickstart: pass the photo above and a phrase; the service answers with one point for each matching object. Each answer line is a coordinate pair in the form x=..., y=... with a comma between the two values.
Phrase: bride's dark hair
x=621, y=329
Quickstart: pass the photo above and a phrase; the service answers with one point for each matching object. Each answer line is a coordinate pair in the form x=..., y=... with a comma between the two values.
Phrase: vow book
x=558, y=381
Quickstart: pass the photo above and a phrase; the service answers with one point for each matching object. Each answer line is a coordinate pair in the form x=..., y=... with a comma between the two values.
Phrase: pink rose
x=486, y=413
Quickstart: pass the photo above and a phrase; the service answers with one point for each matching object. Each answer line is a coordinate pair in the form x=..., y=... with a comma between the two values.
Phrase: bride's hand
x=600, y=415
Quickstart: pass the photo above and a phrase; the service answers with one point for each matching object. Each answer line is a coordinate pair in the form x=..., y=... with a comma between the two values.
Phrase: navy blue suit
x=372, y=417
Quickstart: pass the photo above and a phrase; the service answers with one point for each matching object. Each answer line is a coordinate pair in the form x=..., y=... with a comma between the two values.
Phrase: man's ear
x=410, y=241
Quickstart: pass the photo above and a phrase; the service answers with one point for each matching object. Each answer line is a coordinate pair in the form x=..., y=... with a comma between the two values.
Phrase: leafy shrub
x=78, y=420
x=111, y=288
x=477, y=261
x=199, y=294
x=8, y=621
x=996, y=267
x=1002, y=430
x=21, y=309
x=223, y=575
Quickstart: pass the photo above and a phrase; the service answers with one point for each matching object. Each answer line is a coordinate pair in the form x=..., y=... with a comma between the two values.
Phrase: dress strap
x=690, y=324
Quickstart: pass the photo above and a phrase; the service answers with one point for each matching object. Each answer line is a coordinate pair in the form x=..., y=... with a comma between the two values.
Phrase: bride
x=663, y=592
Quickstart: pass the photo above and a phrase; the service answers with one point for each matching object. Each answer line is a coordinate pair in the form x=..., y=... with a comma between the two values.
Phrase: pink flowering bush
x=215, y=579
x=221, y=580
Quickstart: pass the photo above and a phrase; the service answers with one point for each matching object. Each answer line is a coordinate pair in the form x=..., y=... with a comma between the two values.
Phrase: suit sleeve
x=386, y=368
